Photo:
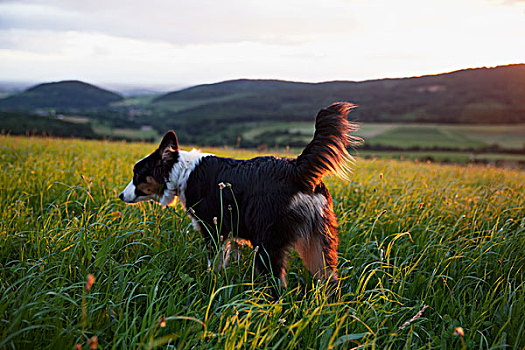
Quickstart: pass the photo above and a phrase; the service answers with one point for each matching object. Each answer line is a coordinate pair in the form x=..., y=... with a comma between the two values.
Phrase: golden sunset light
x=262, y=174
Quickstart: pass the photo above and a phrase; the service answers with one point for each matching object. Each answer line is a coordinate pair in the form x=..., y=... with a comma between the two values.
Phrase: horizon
x=166, y=43
x=164, y=87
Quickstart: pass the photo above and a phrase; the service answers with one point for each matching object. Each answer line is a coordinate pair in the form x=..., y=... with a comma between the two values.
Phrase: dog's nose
x=121, y=196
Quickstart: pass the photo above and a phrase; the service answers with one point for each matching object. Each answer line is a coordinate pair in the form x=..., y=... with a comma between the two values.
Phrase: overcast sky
x=190, y=42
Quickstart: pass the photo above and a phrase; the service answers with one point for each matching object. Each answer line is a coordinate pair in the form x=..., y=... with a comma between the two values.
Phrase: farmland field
x=431, y=256
x=508, y=160
x=406, y=135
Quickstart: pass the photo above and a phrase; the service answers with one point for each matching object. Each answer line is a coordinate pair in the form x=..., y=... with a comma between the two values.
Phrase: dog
x=272, y=203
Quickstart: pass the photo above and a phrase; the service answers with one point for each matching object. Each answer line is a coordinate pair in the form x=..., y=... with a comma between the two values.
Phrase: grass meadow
x=431, y=256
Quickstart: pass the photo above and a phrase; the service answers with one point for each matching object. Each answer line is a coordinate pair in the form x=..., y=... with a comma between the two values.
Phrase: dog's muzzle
x=128, y=195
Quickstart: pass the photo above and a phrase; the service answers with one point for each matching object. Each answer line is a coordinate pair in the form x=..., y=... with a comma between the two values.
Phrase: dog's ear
x=169, y=145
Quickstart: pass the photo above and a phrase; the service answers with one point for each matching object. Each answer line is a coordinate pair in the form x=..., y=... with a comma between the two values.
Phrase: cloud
x=206, y=41
x=183, y=23
x=513, y=2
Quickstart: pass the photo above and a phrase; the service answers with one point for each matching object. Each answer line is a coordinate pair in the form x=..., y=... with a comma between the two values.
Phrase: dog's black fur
x=273, y=203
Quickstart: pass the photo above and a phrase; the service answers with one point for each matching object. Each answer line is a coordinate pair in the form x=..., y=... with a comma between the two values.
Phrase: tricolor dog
x=275, y=204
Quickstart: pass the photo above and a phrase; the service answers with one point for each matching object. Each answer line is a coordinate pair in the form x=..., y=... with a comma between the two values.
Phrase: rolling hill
x=61, y=95
x=480, y=109
x=473, y=96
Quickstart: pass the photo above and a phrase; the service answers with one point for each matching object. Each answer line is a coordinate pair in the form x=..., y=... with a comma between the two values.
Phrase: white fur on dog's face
x=128, y=195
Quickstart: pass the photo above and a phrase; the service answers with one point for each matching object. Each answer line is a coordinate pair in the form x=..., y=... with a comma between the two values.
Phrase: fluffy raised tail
x=327, y=152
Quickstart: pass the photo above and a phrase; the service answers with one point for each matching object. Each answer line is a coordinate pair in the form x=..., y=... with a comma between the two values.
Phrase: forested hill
x=479, y=95
x=63, y=94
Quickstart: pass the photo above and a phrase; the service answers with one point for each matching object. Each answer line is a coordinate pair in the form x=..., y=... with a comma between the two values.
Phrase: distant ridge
x=475, y=95
x=63, y=94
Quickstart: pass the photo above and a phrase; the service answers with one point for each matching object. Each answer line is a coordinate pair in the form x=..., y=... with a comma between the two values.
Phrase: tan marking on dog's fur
x=150, y=186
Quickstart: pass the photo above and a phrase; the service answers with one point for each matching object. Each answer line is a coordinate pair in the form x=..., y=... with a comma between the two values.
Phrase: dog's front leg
x=224, y=256
x=270, y=260
x=218, y=254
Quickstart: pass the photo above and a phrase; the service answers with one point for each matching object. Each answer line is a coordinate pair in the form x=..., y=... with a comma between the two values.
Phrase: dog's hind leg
x=315, y=225
x=318, y=257
x=319, y=249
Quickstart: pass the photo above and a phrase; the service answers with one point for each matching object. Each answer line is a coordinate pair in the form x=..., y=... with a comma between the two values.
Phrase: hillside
x=61, y=95
x=473, y=110
x=16, y=123
x=474, y=96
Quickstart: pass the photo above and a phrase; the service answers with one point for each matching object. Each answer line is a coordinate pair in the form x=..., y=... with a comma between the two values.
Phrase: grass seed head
x=162, y=322
x=89, y=281
x=93, y=342
x=458, y=331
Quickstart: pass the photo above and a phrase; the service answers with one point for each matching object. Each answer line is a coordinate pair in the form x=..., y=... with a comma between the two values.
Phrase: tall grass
x=430, y=257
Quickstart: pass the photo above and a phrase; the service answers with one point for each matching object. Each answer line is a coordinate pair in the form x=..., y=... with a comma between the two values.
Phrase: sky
x=182, y=43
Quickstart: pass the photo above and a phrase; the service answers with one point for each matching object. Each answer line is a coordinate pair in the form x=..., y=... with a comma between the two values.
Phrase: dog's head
x=151, y=172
